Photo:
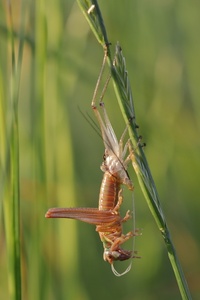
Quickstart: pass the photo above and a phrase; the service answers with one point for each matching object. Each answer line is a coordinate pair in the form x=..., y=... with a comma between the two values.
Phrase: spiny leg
x=132, y=156
x=132, y=153
x=126, y=146
x=99, y=79
x=121, y=240
x=119, y=202
x=93, y=103
x=126, y=217
x=117, y=207
x=123, y=150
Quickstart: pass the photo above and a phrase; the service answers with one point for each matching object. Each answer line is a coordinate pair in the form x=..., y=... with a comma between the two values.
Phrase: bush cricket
x=107, y=216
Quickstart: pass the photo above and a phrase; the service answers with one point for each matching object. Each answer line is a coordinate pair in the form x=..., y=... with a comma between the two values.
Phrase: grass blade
x=140, y=165
x=11, y=170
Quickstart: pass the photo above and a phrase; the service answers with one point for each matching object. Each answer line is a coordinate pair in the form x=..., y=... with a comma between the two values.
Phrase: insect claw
x=138, y=232
x=127, y=216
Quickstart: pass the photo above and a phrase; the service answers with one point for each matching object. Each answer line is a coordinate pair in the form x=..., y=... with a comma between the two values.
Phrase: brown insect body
x=107, y=217
x=111, y=233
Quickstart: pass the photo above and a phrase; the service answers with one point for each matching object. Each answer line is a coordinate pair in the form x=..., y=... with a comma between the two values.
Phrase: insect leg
x=117, y=207
x=87, y=215
x=119, y=202
x=99, y=79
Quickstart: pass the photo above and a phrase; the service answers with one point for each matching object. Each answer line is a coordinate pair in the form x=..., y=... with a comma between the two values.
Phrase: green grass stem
x=140, y=165
x=11, y=172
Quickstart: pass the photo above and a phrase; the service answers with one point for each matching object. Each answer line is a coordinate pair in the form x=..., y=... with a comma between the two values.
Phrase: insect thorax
x=115, y=167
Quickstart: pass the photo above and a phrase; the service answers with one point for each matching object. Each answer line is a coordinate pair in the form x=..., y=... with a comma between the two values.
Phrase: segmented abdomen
x=108, y=195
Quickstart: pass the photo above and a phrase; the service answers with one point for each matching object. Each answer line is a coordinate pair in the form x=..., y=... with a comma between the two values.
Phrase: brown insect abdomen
x=108, y=195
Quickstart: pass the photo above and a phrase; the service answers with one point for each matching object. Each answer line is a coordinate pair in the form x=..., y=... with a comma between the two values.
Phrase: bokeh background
x=60, y=153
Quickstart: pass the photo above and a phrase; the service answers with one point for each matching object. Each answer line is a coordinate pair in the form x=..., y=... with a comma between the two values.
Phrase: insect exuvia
x=107, y=216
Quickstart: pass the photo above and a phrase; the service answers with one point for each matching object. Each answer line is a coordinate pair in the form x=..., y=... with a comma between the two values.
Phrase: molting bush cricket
x=107, y=216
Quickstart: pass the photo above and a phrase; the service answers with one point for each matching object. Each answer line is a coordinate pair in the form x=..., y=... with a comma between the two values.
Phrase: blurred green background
x=60, y=153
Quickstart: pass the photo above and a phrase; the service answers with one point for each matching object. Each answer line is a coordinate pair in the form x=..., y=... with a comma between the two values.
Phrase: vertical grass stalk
x=123, y=91
x=36, y=280
x=11, y=167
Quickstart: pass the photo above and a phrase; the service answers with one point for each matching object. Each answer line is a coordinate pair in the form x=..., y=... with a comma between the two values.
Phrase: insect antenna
x=91, y=122
x=97, y=129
